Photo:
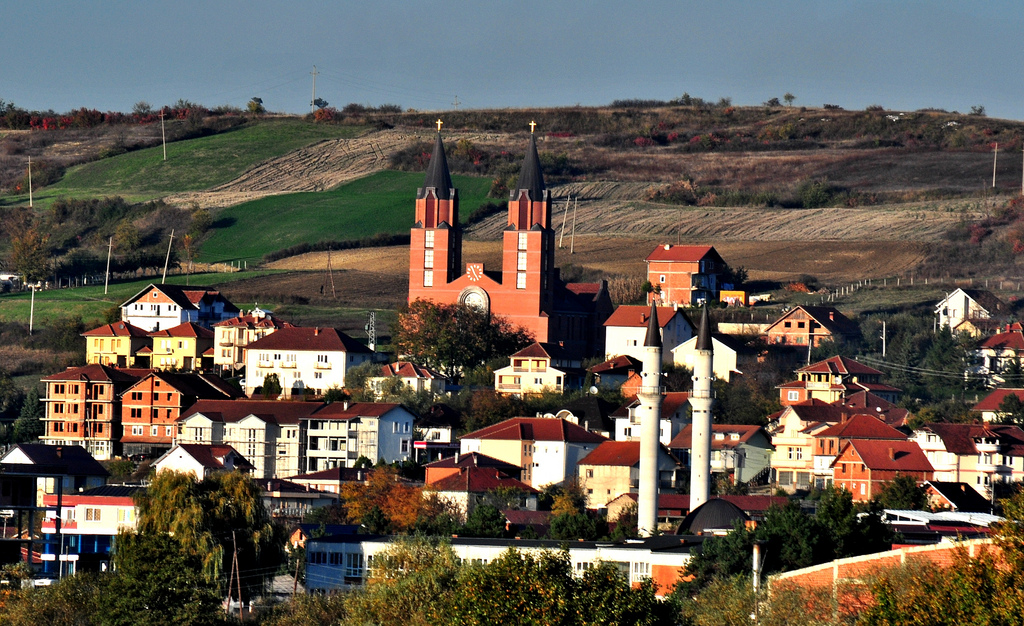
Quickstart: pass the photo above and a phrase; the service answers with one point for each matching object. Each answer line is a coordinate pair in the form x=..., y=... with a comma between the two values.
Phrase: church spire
x=439, y=178
x=530, y=177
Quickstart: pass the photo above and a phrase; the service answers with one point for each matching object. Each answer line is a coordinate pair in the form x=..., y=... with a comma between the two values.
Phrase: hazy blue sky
x=900, y=54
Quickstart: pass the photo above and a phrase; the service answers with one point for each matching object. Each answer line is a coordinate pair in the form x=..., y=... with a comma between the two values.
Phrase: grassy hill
x=381, y=203
x=192, y=164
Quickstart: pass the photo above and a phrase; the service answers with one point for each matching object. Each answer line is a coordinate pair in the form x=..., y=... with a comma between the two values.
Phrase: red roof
x=538, y=350
x=253, y=321
x=212, y=456
x=536, y=429
x=815, y=410
x=623, y=362
x=992, y=401
x=274, y=411
x=671, y=401
x=473, y=459
x=479, y=480
x=690, y=254
x=308, y=339
x=99, y=373
x=339, y=410
x=684, y=439
x=618, y=453
x=898, y=456
x=589, y=289
x=749, y=504
x=185, y=329
x=405, y=369
x=636, y=316
x=839, y=365
x=1011, y=340
x=117, y=329
x=863, y=426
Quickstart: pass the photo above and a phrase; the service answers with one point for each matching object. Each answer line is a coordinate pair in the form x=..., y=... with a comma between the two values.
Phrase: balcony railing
x=289, y=365
x=265, y=364
x=323, y=366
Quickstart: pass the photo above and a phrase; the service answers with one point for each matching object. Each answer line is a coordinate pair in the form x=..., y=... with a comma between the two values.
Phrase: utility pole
x=168, y=259
x=238, y=574
x=371, y=330
x=995, y=156
x=565, y=215
x=106, y=277
x=312, y=103
x=32, y=309
x=330, y=272
x=456, y=103
x=572, y=236
x=883, y=339
x=163, y=135
x=30, y=181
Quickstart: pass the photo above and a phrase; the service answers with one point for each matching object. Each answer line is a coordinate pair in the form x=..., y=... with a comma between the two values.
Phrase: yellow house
x=613, y=468
x=115, y=344
x=183, y=347
x=792, y=431
x=537, y=368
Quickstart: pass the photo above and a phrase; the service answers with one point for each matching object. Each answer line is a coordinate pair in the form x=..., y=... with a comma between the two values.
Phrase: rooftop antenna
x=456, y=102
x=371, y=329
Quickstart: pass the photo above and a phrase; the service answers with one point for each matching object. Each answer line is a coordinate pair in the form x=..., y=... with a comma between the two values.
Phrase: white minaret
x=700, y=401
x=650, y=424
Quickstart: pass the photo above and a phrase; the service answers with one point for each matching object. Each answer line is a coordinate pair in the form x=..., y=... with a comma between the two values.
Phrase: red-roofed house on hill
x=338, y=434
x=803, y=325
x=613, y=468
x=740, y=452
x=833, y=379
x=539, y=368
x=547, y=449
x=999, y=351
x=828, y=442
x=626, y=329
x=977, y=454
x=232, y=337
x=116, y=344
x=989, y=405
x=864, y=466
x=304, y=359
x=202, y=460
x=684, y=275
x=969, y=304
x=186, y=346
x=675, y=413
x=164, y=306
x=412, y=377
x=471, y=486
x=792, y=430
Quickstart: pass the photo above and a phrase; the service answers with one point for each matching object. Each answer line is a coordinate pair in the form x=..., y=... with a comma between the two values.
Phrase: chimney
x=832, y=315
x=476, y=460
x=892, y=454
x=456, y=458
x=60, y=452
x=344, y=405
x=316, y=331
x=668, y=246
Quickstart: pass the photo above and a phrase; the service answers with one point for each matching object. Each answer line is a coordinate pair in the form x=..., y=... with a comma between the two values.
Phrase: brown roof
x=815, y=410
x=684, y=438
x=638, y=316
x=617, y=453
x=479, y=480
x=898, y=456
x=253, y=321
x=839, y=365
x=339, y=410
x=589, y=289
x=536, y=429
x=754, y=505
x=992, y=401
x=273, y=411
x=211, y=456
x=622, y=362
x=988, y=300
x=828, y=317
x=336, y=474
x=117, y=329
x=187, y=298
x=309, y=339
x=98, y=373
x=185, y=329
x=863, y=426
x=671, y=401
x=475, y=459
x=196, y=385
x=540, y=350
x=959, y=438
x=690, y=254
x=405, y=369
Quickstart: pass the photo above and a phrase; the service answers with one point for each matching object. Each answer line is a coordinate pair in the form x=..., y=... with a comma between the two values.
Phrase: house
x=83, y=407
x=613, y=468
x=867, y=402
x=730, y=356
x=314, y=359
x=792, y=431
x=968, y=304
x=265, y=432
x=116, y=345
x=68, y=469
x=285, y=498
x=833, y=379
x=684, y=275
x=590, y=412
x=539, y=368
x=1001, y=351
x=626, y=329
x=612, y=373
x=24, y=486
x=977, y=454
x=84, y=526
x=187, y=346
x=339, y=433
x=201, y=460
x=864, y=466
x=468, y=487
x=333, y=479
x=955, y=496
x=741, y=453
x=804, y=326
x=528, y=290
x=435, y=433
x=548, y=450
x=989, y=405
x=233, y=335
x=443, y=468
x=164, y=306
x=675, y=413
x=151, y=407
x=674, y=507
x=828, y=442
x=408, y=376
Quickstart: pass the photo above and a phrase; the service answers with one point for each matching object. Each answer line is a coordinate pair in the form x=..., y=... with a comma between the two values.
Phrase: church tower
x=650, y=427
x=528, y=249
x=435, y=244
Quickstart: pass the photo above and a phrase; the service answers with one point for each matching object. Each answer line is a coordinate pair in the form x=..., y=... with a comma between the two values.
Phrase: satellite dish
x=593, y=390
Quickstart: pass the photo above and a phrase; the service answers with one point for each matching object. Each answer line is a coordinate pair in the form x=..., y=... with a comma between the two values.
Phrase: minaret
x=650, y=426
x=435, y=242
x=700, y=401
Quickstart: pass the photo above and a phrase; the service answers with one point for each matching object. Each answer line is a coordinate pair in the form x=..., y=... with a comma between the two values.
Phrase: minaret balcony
x=650, y=390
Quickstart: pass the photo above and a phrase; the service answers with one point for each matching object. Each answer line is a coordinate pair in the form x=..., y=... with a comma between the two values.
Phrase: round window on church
x=476, y=298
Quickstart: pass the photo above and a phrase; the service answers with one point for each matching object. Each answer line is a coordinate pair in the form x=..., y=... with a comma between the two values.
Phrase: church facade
x=527, y=290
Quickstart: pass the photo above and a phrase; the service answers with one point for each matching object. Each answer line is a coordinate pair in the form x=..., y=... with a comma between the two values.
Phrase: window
x=590, y=473
x=428, y=278
x=138, y=430
x=405, y=446
x=793, y=396
x=661, y=278
x=136, y=395
x=521, y=262
x=523, y=239
x=318, y=374
x=521, y=280
x=321, y=358
x=428, y=259
x=317, y=558
x=92, y=515
x=405, y=427
x=353, y=564
x=155, y=431
x=428, y=239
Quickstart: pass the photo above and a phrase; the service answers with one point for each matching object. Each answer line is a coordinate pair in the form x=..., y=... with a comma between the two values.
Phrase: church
x=527, y=290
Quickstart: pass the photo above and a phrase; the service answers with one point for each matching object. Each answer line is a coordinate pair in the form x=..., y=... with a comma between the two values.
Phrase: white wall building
x=313, y=359
x=626, y=329
x=340, y=433
x=675, y=414
x=158, y=307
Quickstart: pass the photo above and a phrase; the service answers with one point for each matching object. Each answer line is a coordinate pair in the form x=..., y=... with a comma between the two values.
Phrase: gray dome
x=715, y=514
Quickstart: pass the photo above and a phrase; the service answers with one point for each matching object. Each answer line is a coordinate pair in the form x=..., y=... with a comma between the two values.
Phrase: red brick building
x=833, y=380
x=863, y=466
x=528, y=291
x=684, y=275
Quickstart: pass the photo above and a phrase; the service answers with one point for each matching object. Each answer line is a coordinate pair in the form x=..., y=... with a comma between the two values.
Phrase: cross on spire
x=439, y=122
x=532, y=126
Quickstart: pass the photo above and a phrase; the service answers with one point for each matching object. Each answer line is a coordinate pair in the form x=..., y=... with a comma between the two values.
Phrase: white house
x=626, y=328
x=338, y=434
x=414, y=377
x=727, y=356
x=969, y=304
x=232, y=337
x=313, y=359
x=537, y=368
x=199, y=460
x=164, y=306
x=675, y=414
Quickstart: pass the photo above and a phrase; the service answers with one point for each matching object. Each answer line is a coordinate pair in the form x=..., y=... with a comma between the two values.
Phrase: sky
x=902, y=55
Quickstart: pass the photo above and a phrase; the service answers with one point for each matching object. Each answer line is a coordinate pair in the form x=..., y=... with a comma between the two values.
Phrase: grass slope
x=192, y=164
x=381, y=203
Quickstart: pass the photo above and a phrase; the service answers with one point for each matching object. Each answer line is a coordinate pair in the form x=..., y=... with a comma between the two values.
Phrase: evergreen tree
x=29, y=425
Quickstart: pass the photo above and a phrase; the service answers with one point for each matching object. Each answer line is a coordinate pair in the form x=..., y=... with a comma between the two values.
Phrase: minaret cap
x=530, y=177
x=438, y=175
x=704, y=332
x=653, y=339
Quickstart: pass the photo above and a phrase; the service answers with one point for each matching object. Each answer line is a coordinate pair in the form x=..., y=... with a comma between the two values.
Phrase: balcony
x=323, y=366
x=227, y=343
x=288, y=365
x=986, y=468
x=987, y=448
x=265, y=364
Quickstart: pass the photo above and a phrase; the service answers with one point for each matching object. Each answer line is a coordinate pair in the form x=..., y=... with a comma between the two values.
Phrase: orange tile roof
x=536, y=429
x=637, y=316
x=479, y=480
x=906, y=456
x=863, y=426
x=617, y=453
x=681, y=253
x=117, y=329
x=185, y=329
x=992, y=401
x=684, y=439
x=338, y=410
x=309, y=339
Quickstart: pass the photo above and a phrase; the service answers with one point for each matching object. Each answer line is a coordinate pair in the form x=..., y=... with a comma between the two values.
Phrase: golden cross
x=532, y=126
x=439, y=122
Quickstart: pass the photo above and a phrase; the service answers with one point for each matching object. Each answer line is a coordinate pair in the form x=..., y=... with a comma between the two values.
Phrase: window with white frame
x=521, y=280
x=428, y=278
x=523, y=240
x=428, y=239
x=428, y=259
x=521, y=262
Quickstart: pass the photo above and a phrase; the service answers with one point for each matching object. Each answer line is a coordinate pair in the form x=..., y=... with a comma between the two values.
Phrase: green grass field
x=91, y=303
x=191, y=165
x=381, y=203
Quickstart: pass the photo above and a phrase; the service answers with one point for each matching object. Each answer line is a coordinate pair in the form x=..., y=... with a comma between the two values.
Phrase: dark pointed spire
x=704, y=332
x=530, y=177
x=438, y=175
x=653, y=338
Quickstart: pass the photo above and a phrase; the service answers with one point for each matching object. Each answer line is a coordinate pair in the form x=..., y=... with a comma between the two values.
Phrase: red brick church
x=527, y=291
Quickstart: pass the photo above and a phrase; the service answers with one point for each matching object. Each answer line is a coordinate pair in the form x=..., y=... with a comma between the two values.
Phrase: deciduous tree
x=903, y=493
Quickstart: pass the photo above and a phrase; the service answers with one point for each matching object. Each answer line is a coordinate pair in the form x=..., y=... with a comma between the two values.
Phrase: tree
x=485, y=521
x=271, y=385
x=452, y=337
x=977, y=110
x=320, y=103
x=847, y=530
x=903, y=493
x=30, y=254
x=29, y=425
x=789, y=98
x=142, y=108
x=11, y=397
x=384, y=497
x=1011, y=410
x=255, y=105
x=773, y=102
